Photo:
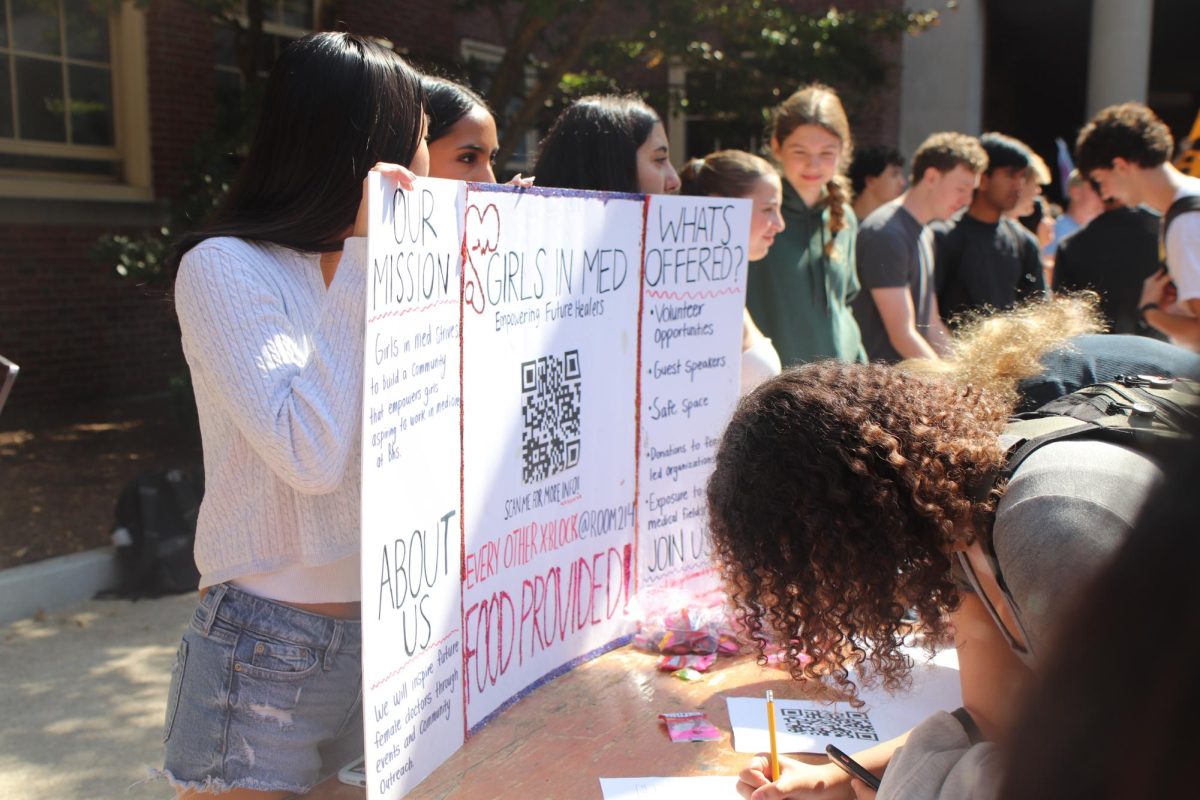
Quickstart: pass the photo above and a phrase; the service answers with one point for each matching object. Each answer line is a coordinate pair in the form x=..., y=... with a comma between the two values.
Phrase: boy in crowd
x=985, y=259
x=1112, y=255
x=897, y=308
x=877, y=177
x=1125, y=149
x=1083, y=206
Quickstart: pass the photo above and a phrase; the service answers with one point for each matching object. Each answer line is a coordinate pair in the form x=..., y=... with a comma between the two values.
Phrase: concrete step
x=56, y=582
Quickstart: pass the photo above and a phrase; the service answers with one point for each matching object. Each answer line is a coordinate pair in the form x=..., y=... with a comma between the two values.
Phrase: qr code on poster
x=829, y=724
x=551, y=389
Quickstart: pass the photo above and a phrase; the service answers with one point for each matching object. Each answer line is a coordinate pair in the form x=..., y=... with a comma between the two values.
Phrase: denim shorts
x=263, y=696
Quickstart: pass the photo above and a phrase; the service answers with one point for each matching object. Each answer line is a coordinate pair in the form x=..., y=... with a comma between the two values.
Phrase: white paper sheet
x=699, y=788
x=805, y=726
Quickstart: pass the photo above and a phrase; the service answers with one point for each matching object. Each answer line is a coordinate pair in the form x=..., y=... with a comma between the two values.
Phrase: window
x=284, y=21
x=73, y=100
x=482, y=60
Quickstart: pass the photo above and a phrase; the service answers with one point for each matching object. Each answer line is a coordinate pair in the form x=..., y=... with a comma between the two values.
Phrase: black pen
x=852, y=767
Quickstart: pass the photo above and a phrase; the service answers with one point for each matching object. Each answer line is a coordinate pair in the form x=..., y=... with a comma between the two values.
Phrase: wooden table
x=600, y=720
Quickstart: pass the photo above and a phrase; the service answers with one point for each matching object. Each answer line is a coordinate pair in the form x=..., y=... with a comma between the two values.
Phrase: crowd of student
x=844, y=492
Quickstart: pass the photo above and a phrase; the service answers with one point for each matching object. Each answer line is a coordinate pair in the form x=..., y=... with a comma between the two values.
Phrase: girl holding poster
x=607, y=143
x=799, y=293
x=265, y=693
x=734, y=173
x=462, y=133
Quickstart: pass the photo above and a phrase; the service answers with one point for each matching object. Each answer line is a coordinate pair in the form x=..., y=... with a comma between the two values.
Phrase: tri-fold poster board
x=547, y=375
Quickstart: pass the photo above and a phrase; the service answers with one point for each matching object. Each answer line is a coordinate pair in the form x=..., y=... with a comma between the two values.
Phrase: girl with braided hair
x=799, y=293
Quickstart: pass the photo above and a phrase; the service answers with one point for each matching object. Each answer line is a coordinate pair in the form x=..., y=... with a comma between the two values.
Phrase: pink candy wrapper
x=698, y=663
x=689, y=726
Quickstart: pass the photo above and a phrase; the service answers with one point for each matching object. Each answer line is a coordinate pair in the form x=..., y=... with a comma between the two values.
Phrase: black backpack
x=1133, y=410
x=155, y=533
x=1138, y=411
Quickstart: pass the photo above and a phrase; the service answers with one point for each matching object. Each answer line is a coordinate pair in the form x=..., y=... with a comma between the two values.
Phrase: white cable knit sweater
x=277, y=368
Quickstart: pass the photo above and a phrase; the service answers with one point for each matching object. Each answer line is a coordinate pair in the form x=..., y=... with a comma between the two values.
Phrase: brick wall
x=81, y=333
x=78, y=332
x=179, y=44
x=421, y=28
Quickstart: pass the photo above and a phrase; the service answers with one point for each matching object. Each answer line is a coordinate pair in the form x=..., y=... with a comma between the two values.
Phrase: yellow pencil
x=771, y=729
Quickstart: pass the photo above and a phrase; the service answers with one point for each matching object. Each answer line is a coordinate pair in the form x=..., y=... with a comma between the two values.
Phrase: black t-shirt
x=1112, y=255
x=982, y=264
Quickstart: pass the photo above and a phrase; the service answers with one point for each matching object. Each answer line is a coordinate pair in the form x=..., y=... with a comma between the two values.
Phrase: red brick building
x=99, y=114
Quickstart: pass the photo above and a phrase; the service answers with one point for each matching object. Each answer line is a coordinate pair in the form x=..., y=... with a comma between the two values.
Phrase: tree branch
x=510, y=75
x=548, y=80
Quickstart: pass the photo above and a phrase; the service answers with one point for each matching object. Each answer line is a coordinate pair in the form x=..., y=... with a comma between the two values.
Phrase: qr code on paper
x=829, y=724
x=551, y=389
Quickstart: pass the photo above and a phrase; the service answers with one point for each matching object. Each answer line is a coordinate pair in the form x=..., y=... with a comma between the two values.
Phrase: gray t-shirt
x=1067, y=509
x=894, y=250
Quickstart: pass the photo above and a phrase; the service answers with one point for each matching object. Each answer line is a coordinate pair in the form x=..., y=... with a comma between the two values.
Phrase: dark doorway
x=1035, y=68
x=1175, y=64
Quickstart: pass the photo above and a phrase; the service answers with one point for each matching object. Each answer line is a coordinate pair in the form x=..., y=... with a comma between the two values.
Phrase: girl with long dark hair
x=265, y=693
x=607, y=143
x=462, y=132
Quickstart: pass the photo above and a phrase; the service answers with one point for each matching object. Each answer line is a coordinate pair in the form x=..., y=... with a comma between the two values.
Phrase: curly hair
x=837, y=495
x=1130, y=131
x=996, y=350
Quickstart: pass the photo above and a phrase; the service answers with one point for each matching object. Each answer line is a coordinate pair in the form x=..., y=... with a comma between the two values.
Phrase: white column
x=942, y=80
x=677, y=116
x=1119, y=53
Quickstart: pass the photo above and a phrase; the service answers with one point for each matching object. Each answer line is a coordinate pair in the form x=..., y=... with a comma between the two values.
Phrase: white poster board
x=550, y=304
x=411, y=530
x=693, y=298
x=523, y=347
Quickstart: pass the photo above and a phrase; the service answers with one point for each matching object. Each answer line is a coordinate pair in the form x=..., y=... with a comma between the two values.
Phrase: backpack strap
x=1024, y=448
x=1183, y=205
x=1021, y=448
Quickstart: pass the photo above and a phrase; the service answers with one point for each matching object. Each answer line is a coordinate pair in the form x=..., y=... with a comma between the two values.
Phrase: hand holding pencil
x=770, y=777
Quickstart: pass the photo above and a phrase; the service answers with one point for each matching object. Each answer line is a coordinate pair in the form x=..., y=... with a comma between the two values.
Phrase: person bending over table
x=845, y=495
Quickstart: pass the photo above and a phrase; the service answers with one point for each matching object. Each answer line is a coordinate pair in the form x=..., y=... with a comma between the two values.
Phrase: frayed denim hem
x=212, y=785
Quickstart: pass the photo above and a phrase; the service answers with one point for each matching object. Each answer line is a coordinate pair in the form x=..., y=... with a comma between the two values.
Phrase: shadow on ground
x=64, y=467
x=82, y=697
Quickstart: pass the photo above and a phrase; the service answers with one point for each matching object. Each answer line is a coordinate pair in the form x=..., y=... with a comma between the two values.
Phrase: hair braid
x=837, y=198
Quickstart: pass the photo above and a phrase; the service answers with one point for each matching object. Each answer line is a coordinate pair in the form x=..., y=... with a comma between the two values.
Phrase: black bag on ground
x=155, y=533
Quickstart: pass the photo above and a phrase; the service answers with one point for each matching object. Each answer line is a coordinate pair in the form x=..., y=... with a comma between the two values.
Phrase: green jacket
x=799, y=296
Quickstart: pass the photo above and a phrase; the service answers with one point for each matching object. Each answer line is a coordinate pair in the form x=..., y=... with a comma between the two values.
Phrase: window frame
x=131, y=131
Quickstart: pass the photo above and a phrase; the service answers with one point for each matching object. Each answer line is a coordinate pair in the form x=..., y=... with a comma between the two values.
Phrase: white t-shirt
x=1183, y=249
x=759, y=363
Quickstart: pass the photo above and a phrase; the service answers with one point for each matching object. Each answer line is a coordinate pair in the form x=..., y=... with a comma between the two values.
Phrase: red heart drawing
x=481, y=237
